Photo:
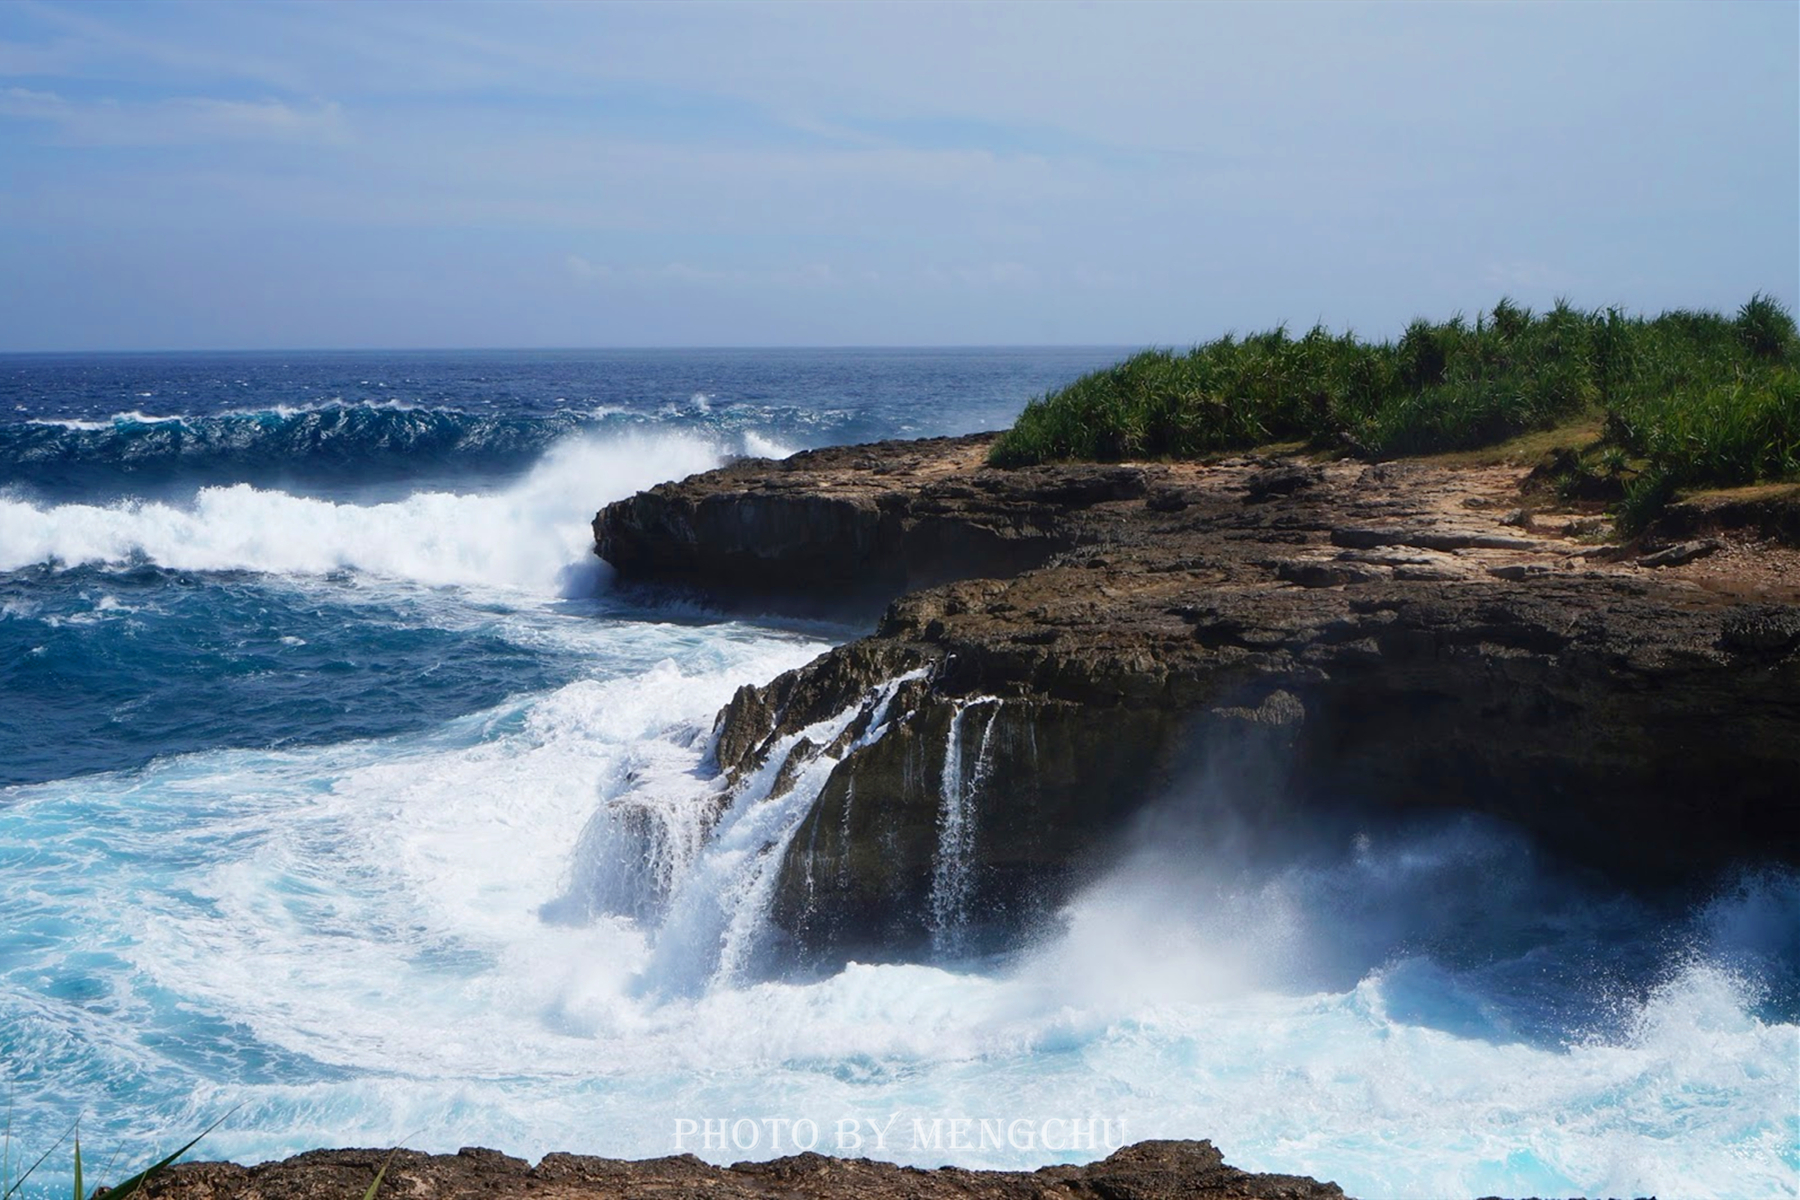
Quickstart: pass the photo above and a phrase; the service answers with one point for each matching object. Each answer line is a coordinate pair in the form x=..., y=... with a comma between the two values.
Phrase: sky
x=271, y=175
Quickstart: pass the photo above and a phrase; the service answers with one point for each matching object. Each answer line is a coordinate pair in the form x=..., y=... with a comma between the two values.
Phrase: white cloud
x=180, y=120
x=23, y=102
x=584, y=271
x=989, y=172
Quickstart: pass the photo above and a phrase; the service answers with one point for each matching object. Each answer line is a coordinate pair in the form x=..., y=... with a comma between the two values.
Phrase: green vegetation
x=11, y=1187
x=1685, y=399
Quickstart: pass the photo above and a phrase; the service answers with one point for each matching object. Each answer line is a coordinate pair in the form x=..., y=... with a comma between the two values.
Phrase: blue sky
x=421, y=175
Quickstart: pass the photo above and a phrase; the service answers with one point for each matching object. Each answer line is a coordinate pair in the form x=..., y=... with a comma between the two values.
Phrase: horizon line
x=671, y=348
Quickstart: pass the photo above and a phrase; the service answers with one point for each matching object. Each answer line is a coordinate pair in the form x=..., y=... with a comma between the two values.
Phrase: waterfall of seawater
x=699, y=859
x=953, y=869
x=696, y=860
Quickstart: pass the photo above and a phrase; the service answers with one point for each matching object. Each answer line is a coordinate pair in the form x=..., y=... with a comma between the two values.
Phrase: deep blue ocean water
x=316, y=710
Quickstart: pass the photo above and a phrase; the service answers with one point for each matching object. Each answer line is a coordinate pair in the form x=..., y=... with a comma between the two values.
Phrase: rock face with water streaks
x=1321, y=640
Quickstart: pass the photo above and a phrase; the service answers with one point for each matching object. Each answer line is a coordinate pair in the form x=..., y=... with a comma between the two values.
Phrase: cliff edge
x=1062, y=644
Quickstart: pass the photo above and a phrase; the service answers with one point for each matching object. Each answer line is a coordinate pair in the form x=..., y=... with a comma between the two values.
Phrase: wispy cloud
x=762, y=171
x=687, y=274
x=179, y=120
x=583, y=271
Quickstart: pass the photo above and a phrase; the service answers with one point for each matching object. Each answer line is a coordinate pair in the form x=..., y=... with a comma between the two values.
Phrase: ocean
x=314, y=709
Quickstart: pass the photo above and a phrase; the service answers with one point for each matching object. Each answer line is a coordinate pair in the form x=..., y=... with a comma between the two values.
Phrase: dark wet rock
x=760, y=529
x=1041, y=778
x=1165, y=1170
x=1429, y=659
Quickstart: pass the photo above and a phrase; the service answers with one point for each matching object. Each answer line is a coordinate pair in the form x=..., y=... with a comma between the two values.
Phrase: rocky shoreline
x=1145, y=1171
x=1328, y=638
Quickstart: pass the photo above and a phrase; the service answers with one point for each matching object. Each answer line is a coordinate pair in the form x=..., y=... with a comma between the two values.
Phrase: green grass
x=13, y=1181
x=1694, y=398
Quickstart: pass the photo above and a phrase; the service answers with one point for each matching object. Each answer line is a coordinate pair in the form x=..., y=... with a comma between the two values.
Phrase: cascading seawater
x=952, y=877
x=694, y=864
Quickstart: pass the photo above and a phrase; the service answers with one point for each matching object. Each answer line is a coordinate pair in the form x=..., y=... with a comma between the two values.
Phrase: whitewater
x=343, y=795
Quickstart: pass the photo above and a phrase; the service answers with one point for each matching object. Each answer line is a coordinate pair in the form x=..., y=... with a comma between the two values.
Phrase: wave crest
x=533, y=535
x=334, y=441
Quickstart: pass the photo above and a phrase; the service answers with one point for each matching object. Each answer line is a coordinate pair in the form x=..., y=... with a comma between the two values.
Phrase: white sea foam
x=758, y=446
x=71, y=423
x=533, y=536
x=133, y=417
x=381, y=921
x=339, y=404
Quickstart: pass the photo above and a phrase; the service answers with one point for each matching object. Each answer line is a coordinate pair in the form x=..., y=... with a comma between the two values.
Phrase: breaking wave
x=532, y=535
x=339, y=442
x=325, y=446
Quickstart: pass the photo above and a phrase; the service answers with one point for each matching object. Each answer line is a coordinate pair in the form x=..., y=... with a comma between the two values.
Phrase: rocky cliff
x=852, y=527
x=1325, y=639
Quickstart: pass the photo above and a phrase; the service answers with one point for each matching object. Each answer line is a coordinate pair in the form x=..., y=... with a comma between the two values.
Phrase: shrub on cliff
x=1703, y=398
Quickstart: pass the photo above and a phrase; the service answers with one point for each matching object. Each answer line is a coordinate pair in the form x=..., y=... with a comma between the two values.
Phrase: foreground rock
x=1146, y=1171
x=1314, y=642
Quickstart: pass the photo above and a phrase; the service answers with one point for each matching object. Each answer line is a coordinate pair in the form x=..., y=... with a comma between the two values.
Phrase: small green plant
x=376, y=1186
x=1765, y=327
x=135, y=1184
x=1645, y=497
x=131, y=1186
x=9, y=1185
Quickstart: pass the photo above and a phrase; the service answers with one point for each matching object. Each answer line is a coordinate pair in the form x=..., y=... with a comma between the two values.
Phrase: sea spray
x=710, y=908
x=341, y=921
x=643, y=839
x=526, y=537
x=749, y=918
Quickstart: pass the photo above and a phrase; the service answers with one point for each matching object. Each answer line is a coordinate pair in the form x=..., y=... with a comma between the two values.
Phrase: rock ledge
x=1334, y=639
x=1146, y=1171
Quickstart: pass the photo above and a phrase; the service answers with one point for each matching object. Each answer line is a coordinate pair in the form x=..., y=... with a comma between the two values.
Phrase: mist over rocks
x=1316, y=642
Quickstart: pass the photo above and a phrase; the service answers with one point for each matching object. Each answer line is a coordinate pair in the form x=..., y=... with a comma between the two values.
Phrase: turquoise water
x=318, y=722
